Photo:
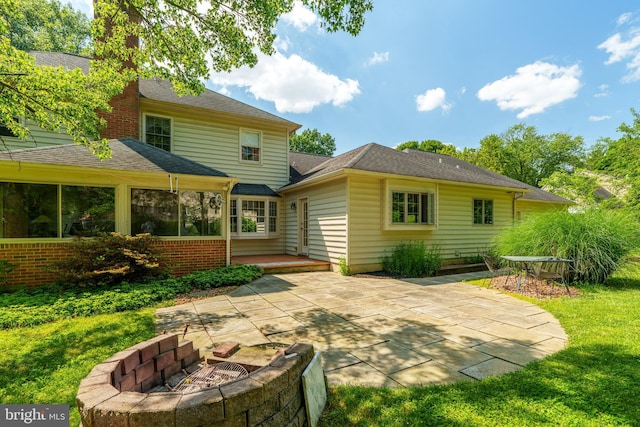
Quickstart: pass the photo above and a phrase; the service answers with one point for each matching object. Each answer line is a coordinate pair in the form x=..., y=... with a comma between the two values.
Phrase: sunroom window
x=53, y=210
x=412, y=208
x=165, y=213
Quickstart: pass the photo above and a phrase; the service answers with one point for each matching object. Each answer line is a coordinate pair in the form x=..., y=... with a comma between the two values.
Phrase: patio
x=377, y=331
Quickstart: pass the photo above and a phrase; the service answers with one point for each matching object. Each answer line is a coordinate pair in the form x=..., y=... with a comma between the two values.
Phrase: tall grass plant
x=412, y=259
x=597, y=240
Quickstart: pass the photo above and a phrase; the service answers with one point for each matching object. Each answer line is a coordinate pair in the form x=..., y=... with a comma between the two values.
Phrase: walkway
x=376, y=331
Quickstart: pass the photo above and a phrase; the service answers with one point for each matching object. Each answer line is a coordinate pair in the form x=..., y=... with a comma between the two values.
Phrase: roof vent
x=439, y=160
x=457, y=166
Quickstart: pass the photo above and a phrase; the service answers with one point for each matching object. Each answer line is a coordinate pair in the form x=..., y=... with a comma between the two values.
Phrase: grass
x=44, y=364
x=595, y=381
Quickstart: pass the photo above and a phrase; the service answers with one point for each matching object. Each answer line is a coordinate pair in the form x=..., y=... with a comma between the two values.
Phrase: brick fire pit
x=120, y=390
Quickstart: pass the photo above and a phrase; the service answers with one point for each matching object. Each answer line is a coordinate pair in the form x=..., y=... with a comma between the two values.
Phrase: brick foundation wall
x=32, y=259
x=113, y=394
x=187, y=256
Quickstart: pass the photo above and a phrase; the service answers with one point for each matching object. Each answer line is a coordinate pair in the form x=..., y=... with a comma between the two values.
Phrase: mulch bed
x=533, y=288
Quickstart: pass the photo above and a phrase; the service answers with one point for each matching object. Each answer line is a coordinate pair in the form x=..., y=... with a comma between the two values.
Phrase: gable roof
x=412, y=163
x=127, y=154
x=162, y=90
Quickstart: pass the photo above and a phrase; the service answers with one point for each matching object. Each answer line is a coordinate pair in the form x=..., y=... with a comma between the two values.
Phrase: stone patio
x=377, y=331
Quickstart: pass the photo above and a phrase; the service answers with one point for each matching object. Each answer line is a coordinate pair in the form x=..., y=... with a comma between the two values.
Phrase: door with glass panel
x=303, y=226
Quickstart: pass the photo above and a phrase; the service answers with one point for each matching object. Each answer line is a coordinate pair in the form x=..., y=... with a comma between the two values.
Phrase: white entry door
x=303, y=226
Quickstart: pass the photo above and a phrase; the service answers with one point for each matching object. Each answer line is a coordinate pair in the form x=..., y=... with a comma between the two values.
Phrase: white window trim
x=161, y=116
x=238, y=235
x=260, y=146
x=397, y=186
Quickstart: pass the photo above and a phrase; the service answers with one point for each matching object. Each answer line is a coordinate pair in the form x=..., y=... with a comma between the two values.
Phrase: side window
x=412, y=208
x=158, y=132
x=250, y=143
x=482, y=211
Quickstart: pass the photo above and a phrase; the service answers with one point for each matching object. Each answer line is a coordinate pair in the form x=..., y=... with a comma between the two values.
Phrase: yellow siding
x=217, y=145
x=39, y=138
x=241, y=247
x=327, y=221
x=455, y=233
x=524, y=207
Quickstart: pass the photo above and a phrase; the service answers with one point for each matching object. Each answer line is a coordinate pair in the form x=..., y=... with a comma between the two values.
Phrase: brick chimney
x=124, y=119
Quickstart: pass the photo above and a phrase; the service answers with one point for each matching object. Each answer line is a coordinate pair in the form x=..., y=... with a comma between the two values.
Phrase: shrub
x=110, y=258
x=596, y=240
x=6, y=268
x=412, y=259
x=345, y=270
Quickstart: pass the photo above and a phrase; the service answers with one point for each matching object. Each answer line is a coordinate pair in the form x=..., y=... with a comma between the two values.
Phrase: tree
x=313, y=142
x=181, y=41
x=521, y=153
x=50, y=27
x=430, y=145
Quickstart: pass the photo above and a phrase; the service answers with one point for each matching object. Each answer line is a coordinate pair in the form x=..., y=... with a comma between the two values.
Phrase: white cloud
x=378, y=58
x=292, y=83
x=598, y=118
x=624, y=18
x=625, y=46
x=604, y=91
x=300, y=17
x=534, y=88
x=432, y=99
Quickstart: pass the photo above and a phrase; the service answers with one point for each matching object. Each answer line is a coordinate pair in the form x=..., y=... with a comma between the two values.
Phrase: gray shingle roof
x=414, y=163
x=127, y=154
x=253, y=190
x=162, y=90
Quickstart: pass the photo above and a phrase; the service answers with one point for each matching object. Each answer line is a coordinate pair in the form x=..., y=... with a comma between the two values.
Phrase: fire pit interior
x=206, y=376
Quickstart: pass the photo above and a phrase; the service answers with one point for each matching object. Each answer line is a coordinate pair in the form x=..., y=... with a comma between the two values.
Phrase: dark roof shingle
x=162, y=90
x=127, y=154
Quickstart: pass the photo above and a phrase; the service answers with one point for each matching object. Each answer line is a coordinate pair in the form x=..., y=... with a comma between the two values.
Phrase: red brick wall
x=124, y=119
x=32, y=259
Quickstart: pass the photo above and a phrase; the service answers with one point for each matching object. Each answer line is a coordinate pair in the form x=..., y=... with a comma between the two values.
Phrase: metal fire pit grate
x=211, y=376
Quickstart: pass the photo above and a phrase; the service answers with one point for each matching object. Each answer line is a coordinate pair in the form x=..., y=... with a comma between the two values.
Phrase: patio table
x=527, y=265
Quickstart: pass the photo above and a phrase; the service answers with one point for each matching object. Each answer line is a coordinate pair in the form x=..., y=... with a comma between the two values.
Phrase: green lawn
x=595, y=381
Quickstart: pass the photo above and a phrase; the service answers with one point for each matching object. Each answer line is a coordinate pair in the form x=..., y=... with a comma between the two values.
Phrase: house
x=214, y=178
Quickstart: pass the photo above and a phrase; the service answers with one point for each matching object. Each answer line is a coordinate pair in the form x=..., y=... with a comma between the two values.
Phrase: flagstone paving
x=375, y=331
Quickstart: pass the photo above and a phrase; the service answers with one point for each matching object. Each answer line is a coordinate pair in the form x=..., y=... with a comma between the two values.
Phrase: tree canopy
x=313, y=142
x=179, y=40
x=429, y=145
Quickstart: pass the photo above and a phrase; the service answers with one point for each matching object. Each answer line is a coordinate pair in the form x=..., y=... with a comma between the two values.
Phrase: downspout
x=227, y=188
x=516, y=196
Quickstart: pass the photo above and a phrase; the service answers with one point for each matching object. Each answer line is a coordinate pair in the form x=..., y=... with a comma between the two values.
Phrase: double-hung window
x=158, y=132
x=253, y=217
x=250, y=142
x=412, y=208
x=482, y=211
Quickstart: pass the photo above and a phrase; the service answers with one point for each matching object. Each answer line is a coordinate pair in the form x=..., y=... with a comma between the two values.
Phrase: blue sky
x=455, y=71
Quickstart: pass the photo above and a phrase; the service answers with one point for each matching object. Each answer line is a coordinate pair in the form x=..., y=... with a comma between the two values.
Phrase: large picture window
x=187, y=213
x=412, y=208
x=250, y=145
x=482, y=211
x=254, y=217
x=158, y=132
x=52, y=210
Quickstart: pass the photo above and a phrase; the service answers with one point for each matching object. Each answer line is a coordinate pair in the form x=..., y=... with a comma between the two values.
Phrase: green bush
x=110, y=258
x=6, y=268
x=29, y=307
x=596, y=240
x=412, y=259
x=345, y=270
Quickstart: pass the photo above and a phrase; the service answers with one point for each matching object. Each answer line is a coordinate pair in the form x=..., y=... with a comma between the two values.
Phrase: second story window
x=158, y=132
x=5, y=131
x=250, y=145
